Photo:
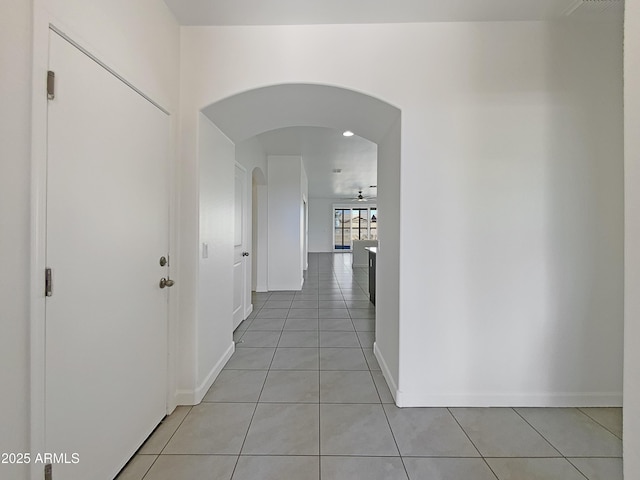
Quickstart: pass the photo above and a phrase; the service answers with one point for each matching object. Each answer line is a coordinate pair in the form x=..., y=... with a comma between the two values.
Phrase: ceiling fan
x=360, y=197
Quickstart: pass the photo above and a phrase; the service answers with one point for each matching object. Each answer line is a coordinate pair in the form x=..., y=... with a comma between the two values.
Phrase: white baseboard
x=587, y=399
x=426, y=399
x=204, y=387
x=194, y=397
x=289, y=287
x=248, y=311
x=184, y=397
x=386, y=373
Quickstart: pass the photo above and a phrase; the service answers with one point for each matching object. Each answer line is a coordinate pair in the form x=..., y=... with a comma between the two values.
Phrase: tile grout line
x=318, y=373
x=576, y=467
x=603, y=426
x=472, y=443
x=165, y=445
x=393, y=435
x=255, y=409
x=319, y=394
x=549, y=441
x=382, y=406
x=538, y=432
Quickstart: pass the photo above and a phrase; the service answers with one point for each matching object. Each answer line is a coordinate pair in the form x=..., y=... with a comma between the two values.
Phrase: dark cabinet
x=372, y=275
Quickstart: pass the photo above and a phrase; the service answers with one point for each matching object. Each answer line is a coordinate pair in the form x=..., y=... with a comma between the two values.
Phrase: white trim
x=38, y=232
x=204, y=387
x=386, y=373
x=586, y=399
x=173, y=271
x=247, y=246
x=108, y=68
x=194, y=397
x=184, y=397
x=559, y=399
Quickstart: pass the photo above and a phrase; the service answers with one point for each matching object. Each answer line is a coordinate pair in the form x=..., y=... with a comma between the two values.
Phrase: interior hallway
x=303, y=398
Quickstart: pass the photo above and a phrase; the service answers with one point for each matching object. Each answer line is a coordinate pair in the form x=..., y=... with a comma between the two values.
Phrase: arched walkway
x=231, y=123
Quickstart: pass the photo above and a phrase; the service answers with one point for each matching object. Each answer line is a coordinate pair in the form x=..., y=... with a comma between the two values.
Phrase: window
x=342, y=229
x=357, y=223
x=373, y=224
x=360, y=224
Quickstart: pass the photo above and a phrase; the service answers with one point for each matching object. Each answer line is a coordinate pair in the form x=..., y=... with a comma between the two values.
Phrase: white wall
x=520, y=215
x=320, y=224
x=260, y=238
x=632, y=240
x=389, y=281
x=15, y=92
x=511, y=220
x=250, y=155
x=285, y=190
x=214, y=328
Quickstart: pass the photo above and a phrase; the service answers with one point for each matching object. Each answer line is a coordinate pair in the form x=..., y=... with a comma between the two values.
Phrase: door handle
x=245, y=254
x=166, y=282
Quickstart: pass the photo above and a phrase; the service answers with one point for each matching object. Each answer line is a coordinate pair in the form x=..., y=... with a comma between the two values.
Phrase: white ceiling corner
x=304, y=12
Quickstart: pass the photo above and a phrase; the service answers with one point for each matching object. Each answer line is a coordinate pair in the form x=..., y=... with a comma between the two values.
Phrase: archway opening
x=242, y=117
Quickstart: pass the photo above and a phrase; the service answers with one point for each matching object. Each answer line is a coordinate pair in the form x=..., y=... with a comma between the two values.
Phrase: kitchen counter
x=360, y=256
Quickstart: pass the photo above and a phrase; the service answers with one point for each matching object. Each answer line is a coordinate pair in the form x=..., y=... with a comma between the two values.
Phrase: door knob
x=166, y=282
x=245, y=254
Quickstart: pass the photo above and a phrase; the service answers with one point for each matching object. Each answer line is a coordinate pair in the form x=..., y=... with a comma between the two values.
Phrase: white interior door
x=240, y=252
x=107, y=227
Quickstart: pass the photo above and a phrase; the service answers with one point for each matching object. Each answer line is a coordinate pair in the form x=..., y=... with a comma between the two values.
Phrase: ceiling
x=305, y=12
x=323, y=150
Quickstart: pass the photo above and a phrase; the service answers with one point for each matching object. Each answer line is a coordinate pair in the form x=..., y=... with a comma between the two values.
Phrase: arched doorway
x=223, y=135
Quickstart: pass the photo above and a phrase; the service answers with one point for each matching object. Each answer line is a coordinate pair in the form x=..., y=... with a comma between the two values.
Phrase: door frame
x=246, y=305
x=305, y=233
x=43, y=22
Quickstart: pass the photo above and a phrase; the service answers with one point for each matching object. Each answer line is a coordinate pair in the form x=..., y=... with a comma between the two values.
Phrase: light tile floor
x=303, y=398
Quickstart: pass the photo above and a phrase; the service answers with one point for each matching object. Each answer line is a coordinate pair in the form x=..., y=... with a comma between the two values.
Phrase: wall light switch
x=205, y=250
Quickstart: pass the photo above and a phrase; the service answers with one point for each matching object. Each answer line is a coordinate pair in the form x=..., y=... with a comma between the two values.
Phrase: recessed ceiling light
x=348, y=133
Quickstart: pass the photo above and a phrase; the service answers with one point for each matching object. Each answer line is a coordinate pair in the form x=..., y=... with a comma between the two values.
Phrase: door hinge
x=48, y=474
x=51, y=85
x=48, y=282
